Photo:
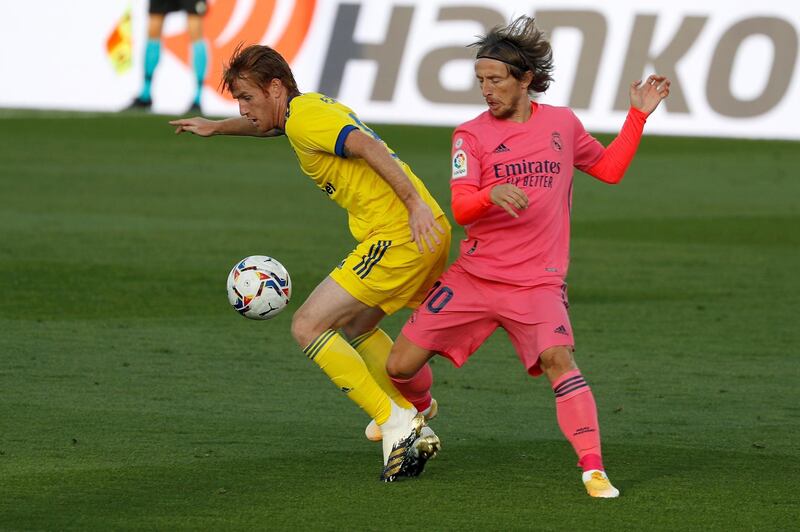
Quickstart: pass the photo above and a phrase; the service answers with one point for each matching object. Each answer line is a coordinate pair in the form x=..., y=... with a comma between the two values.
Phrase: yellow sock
x=374, y=347
x=343, y=365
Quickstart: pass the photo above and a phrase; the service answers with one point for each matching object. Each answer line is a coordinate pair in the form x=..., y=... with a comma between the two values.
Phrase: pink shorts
x=461, y=311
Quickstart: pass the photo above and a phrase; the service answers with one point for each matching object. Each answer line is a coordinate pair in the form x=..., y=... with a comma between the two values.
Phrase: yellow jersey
x=317, y=127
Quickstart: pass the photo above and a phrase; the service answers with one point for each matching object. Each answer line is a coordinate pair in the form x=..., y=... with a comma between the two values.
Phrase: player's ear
x=273, y=88
x=527, y=79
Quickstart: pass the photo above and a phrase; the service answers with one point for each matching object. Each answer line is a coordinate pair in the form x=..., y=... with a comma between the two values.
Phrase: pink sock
x=417, y=389
x=577, y=417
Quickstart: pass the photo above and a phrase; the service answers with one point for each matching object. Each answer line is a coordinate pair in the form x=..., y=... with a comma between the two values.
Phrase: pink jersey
x=538, y=157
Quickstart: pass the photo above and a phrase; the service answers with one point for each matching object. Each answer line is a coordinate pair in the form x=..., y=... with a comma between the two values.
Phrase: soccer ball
x=259, y=287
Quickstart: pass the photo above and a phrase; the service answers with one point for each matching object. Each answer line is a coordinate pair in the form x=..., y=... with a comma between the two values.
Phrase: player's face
x=255, y=104
x=504, y=94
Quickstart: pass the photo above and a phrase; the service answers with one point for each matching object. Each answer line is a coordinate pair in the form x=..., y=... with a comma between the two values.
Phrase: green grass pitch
x=133, y=397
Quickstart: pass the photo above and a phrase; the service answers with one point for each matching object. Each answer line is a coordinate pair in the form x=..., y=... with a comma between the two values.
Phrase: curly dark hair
x=522, y=47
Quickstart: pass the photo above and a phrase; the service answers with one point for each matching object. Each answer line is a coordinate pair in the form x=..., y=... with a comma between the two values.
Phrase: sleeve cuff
x=339, y=148
x=636, y=113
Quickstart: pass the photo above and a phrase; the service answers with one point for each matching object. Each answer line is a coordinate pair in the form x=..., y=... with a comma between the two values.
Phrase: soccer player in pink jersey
x=512, y=174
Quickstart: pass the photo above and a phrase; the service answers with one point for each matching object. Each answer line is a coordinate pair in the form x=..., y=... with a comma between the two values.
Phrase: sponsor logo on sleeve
x=459, y=164
x=459, y=143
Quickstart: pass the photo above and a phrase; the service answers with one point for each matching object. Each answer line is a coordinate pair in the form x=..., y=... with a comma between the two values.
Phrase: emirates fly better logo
x=228, y=23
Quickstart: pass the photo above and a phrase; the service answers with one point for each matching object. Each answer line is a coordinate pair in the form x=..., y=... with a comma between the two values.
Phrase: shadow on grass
x=490, y=484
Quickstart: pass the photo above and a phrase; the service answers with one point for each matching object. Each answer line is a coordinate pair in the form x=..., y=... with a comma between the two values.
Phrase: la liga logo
x=228, y=23
x=459, y=164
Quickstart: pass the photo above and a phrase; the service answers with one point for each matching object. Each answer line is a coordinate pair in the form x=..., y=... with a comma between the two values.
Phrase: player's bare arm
x=204, y=127
x=424, y=228
x=510, y=198
x=646, y=96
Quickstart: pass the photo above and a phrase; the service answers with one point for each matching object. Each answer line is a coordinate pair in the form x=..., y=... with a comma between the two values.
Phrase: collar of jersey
x=289, y=103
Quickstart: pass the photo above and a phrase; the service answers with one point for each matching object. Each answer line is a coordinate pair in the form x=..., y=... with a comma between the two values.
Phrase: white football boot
x=373, y=430
x=407, y=444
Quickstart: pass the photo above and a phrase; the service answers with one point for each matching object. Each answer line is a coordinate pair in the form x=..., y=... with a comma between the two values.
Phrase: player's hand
x=510, y=197
x=646, y=96
x=197, y=125
x=425, y=230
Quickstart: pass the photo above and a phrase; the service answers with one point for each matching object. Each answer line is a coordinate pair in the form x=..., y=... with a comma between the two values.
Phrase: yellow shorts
x=390, y=275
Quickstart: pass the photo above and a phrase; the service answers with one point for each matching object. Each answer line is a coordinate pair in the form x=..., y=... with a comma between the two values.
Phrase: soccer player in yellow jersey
x=403, y=240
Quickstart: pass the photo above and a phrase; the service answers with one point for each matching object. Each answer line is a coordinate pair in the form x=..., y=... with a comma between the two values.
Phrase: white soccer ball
x=259, y=287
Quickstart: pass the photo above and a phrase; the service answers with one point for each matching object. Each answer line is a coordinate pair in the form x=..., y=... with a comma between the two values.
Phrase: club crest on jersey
x=555, y=141
x=459, y=164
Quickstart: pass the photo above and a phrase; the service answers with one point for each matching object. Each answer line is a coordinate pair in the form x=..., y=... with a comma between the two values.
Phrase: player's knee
x=557, y=360
x=195, y=27
x=406, y=358
x=396, y=368
x=302, y=328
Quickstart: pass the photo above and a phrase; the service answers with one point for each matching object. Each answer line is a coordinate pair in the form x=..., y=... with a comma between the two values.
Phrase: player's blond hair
x=259, y=64
x=522, y=47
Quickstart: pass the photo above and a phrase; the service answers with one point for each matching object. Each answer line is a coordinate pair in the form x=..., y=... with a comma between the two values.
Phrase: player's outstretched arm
x=204, y=127
x=645, y=97
x=425, y=230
